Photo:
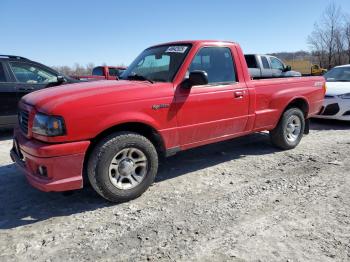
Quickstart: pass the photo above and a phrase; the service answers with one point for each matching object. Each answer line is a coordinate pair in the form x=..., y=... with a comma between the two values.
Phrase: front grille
x=347, y=113
x=331, y=109
x=23, y=119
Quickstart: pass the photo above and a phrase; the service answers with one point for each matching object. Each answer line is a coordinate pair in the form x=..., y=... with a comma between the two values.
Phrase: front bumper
x=335, y=108
x=63, y=163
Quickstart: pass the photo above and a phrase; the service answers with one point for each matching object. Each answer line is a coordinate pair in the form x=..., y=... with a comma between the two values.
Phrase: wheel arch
x=141, y=128
x=300, y=103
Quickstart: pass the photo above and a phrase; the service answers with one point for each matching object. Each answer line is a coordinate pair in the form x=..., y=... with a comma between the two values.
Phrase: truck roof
x=116, y=67
x=194, y=42
x=13, y=57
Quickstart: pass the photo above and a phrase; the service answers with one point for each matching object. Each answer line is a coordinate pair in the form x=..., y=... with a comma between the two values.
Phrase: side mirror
x=198, y=78
x=287, y=68
x=60, y=79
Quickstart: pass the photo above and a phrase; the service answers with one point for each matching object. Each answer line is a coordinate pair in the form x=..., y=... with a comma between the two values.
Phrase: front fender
x=127, y=117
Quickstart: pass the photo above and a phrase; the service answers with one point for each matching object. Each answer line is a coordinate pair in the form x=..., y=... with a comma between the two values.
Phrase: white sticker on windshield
x=176, y=49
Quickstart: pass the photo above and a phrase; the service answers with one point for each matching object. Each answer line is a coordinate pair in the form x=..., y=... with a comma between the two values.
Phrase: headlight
x=48, y=125
x=345, y=96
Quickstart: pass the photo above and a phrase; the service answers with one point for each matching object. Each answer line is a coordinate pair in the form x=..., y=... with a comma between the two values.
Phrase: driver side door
x=30, y=77
x=277, y=67
x=210, y=112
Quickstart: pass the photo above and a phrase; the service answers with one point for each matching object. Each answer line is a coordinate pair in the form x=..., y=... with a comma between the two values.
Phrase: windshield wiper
x=139, y=77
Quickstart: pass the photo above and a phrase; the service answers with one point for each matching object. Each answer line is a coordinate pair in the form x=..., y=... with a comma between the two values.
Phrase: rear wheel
x=290, y=129
x=122, y=166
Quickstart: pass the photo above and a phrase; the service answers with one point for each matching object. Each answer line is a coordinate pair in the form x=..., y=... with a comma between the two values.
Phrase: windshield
x=159, y=63
x=338, y=74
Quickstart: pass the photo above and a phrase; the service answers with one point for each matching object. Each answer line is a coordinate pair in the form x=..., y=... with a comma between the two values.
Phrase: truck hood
x=88, y=94
x=337, y=88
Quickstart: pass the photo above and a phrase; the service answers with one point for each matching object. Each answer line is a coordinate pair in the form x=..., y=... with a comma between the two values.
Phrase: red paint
x=196, y=116
x=64, y=163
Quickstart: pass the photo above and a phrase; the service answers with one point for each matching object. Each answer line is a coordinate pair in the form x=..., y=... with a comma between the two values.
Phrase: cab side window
x=217, y=62
x=265, y=62
x=97, y=71
x=113, y=72
x=251, y=61
x=31, y=74
x=276, y=64
x=2, y=73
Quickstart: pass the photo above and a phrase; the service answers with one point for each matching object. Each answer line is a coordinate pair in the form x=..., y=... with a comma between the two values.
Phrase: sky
x=64, y=32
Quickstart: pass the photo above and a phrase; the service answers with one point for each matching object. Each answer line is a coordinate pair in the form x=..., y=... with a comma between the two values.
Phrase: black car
x=20, y=76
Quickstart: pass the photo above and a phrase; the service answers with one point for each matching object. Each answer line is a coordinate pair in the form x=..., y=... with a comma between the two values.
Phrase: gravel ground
x=236, y=200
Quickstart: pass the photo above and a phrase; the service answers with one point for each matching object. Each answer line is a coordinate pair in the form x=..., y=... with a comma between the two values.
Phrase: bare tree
x=331, y=25
x=78, y=69
x=323, y=39
x=88, y=68
x=75, y=70
x=66, y=70
x=347, y=37
x=317, y=43
x=339, y=46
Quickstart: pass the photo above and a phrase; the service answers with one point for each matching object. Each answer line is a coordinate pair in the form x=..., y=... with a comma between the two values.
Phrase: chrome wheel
x=128, y=168
x=293, y=128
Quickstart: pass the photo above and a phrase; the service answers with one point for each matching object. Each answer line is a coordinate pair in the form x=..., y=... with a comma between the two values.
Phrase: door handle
x=238, y=94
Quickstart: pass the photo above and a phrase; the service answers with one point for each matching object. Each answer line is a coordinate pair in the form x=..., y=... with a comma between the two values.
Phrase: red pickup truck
x=173, y=97
x=103, y=73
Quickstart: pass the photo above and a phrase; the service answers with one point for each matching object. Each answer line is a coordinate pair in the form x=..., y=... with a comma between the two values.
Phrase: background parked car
x=337, y=99
x=20, y=76
x=266, y=66
x=103, y=73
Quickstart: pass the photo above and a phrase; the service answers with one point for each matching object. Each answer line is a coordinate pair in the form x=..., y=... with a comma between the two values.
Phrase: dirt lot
x=237, y=200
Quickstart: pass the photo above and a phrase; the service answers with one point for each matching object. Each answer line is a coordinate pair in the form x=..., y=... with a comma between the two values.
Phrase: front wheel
x=122, y=166
x=290, y=129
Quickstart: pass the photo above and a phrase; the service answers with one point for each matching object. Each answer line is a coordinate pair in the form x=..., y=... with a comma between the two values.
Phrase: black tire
x=104, y=153
x=279, y=136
